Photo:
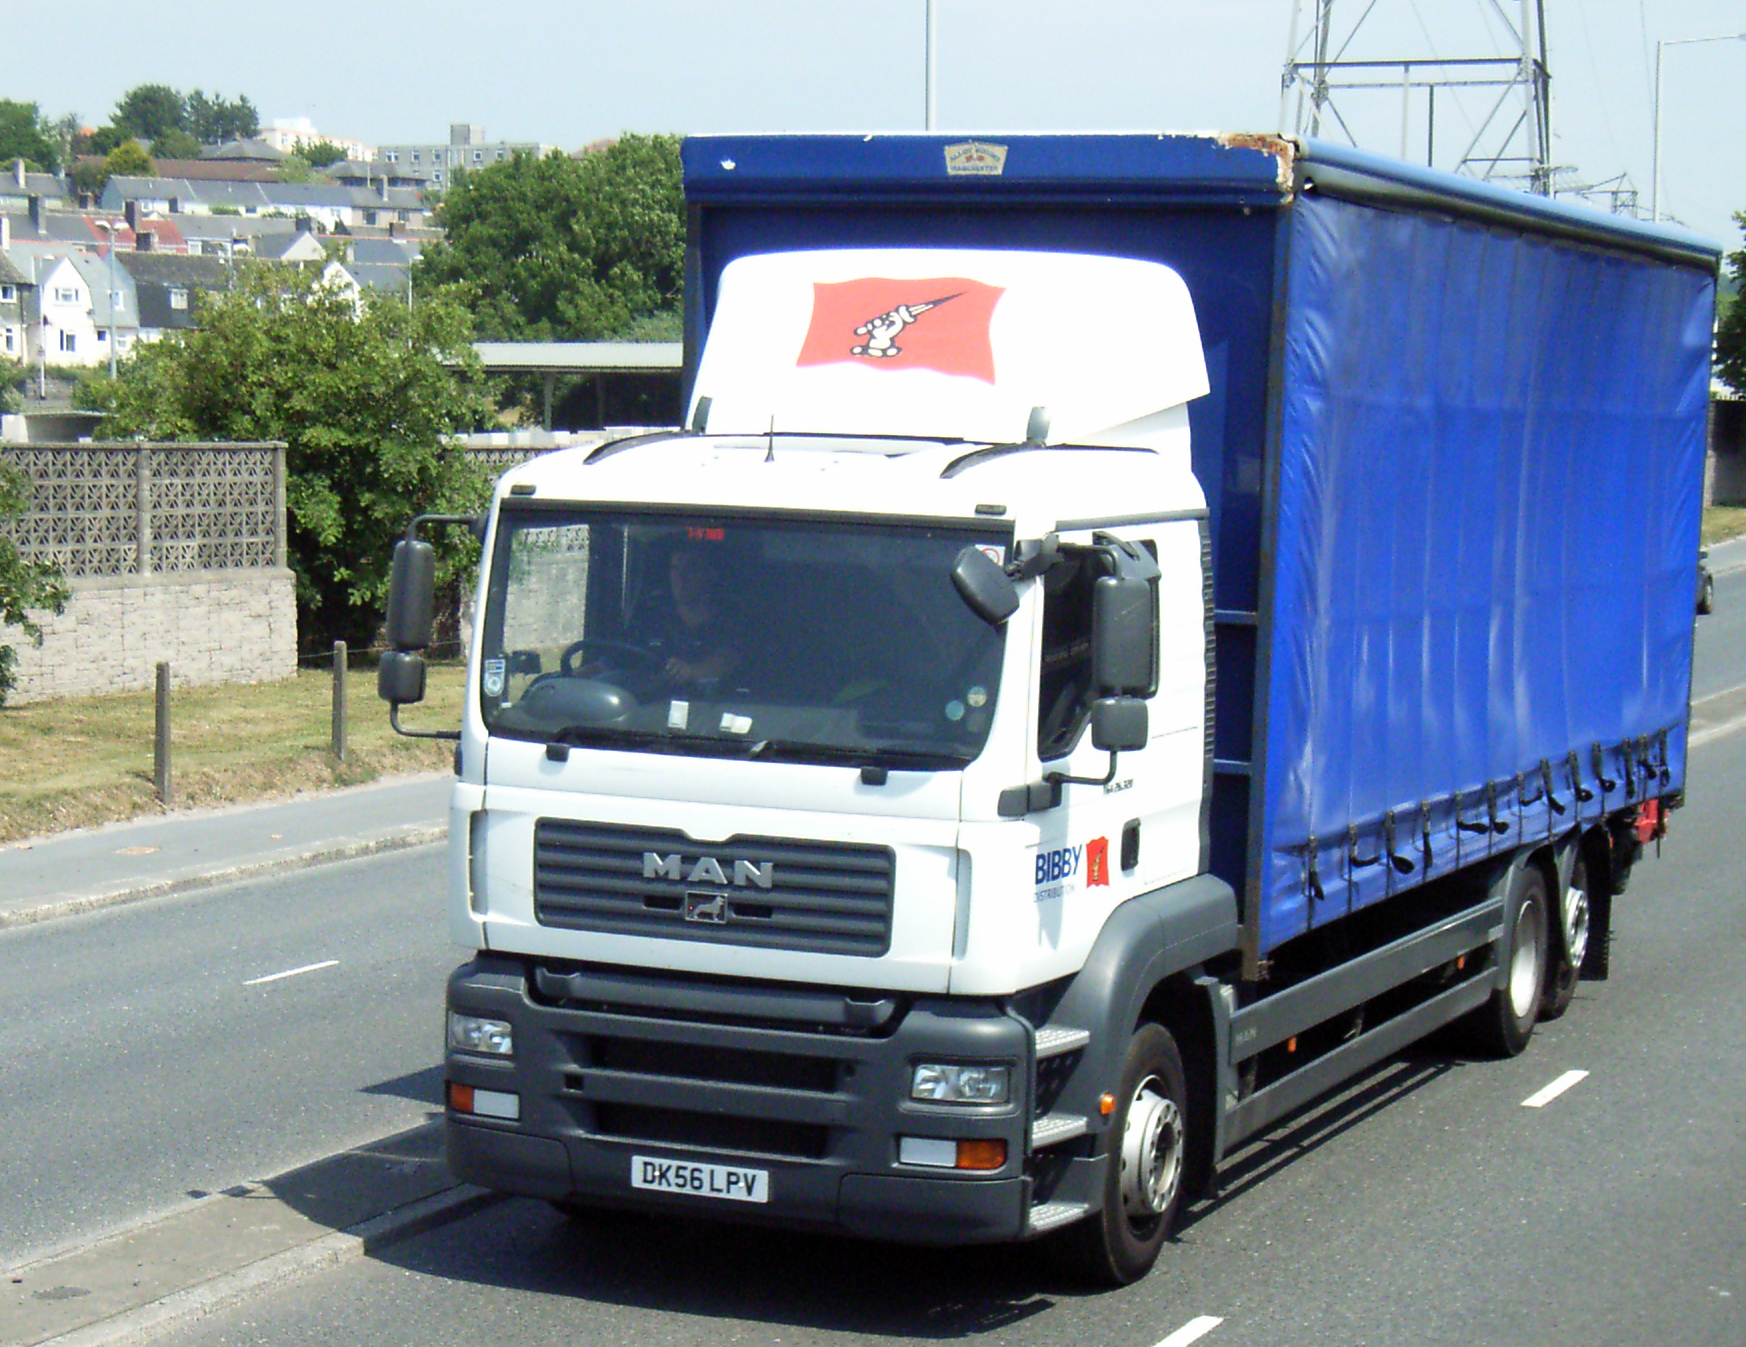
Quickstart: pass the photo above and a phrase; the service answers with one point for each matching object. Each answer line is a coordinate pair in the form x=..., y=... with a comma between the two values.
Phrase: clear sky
x=565, y=72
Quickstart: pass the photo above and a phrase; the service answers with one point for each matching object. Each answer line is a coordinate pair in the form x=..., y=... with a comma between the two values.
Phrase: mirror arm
x=394, y=721
x=1062, y=779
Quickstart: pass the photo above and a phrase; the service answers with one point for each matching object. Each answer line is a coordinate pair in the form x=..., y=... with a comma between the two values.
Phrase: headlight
x=938, y=1083
x=470, y=1033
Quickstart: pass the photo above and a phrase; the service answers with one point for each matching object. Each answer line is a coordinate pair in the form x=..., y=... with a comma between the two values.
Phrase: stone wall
x=212, y=627
x=174, y=552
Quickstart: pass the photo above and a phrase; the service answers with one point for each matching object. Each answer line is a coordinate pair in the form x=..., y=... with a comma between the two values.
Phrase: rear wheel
x=1503, y=1025
x=1568, y=954
x=1147, y=1147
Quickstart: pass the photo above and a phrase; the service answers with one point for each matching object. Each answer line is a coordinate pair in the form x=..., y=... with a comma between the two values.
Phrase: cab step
x=1053, y=1128
x=1053, y=1215
x=1054, y=1041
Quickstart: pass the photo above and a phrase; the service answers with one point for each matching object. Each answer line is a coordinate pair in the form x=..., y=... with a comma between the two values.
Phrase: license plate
x=726, y=1182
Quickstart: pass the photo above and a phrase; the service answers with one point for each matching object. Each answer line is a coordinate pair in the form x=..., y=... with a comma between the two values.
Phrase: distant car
x=1706, y=591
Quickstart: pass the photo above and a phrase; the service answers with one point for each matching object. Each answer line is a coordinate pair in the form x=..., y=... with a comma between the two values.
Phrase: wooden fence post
x=161, y=742
x=339, y=700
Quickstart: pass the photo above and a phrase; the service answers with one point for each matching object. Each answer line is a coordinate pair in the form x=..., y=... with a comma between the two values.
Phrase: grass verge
x=1722, y=522
x=88, y=760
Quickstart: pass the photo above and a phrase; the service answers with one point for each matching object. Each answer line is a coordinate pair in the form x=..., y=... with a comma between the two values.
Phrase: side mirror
x=1119, y=724
x=400, y=677
x=411, y=595
x=1124, y=637
x=984, y=585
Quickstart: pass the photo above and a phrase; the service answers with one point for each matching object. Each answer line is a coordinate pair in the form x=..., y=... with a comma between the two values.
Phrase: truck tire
x=1147, y=1144
x=1504, y=1024
x=1567, y=953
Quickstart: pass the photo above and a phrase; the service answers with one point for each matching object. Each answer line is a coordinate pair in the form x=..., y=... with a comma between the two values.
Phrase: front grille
x=694, y=1061
x=713, y=1131
x=822, y=898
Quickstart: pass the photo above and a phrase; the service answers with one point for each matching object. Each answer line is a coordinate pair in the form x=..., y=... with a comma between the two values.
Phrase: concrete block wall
x=212, y=626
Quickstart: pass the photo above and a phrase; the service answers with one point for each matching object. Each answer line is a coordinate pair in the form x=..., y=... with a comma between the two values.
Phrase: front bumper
x=810, y=1087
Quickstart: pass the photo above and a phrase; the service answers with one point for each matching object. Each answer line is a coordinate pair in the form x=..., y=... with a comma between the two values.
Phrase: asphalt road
x=147, y=1062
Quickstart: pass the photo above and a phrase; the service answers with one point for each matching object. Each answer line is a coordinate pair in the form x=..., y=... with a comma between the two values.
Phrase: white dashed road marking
x=292, y=972
x=1192, y=1331
x=1544, y=1097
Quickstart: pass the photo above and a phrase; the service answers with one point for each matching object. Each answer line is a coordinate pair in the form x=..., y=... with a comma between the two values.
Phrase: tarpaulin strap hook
x=1425, y=833
x=1312, y=880
x=1600, y=768
x=1358, y=862
x=1463, y=825
x=1627, y=769
x=1497, y=824
x=1558, y=806
x=1583, y=793
x=1661, y=753
x=1399, y=862
x=1522, y=799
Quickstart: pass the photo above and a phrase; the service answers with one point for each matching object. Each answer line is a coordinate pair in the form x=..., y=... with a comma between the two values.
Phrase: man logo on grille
x=709, y=907
x=708, y=870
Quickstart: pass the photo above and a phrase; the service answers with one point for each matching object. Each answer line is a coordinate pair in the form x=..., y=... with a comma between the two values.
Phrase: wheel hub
x=1151, y=1152
x=1576, y=925
x=1525, y=962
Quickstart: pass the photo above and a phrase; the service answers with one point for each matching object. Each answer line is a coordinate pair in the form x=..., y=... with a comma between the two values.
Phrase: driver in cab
x=692, y=633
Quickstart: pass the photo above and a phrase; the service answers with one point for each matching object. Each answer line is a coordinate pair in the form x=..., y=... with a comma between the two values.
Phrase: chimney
x=18, y=174
x=36, y=214
x=131, y=210
x=5, y=231
x=382, y=189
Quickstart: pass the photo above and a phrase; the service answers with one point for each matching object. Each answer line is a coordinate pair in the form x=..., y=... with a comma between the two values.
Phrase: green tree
x=127, y=158
x=363, y=396
x=148, y=111
x=214, y=120
x=320, y=153
x=565, y=249
x=12, y=380
x=175, y=144
x=25, y=134
x=25, y=586
x=1731, y=331
x=293, y=168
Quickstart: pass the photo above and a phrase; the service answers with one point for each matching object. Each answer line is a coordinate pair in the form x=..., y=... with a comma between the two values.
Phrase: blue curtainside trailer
x=1452, y=455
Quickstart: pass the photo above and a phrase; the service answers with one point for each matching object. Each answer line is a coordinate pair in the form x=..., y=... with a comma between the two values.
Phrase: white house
x=75, y=325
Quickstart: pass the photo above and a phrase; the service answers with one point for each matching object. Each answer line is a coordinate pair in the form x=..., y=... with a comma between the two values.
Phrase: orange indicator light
x=1106, y=1105
x=460, y=1097
x=981, y=1154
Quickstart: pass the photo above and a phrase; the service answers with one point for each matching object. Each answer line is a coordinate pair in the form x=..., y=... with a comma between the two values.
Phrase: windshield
x=798, y=640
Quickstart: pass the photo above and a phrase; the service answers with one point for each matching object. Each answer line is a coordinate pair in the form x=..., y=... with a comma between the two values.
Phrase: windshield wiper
x=871, y=755
x=655, y=741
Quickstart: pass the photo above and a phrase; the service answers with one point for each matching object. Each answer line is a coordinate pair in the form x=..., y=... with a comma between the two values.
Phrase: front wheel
x=1147, y=1150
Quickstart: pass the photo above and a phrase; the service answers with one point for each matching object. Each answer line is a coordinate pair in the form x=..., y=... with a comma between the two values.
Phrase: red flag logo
x=940, y=324
x=1097, y=863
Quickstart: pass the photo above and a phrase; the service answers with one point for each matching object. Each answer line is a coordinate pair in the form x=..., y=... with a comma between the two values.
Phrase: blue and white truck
x=1136, y=630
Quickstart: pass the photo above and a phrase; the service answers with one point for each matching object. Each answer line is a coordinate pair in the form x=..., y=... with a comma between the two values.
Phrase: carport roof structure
x=552, y=358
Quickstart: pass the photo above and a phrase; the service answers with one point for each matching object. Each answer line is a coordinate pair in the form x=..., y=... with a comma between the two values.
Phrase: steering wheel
x=643, y=656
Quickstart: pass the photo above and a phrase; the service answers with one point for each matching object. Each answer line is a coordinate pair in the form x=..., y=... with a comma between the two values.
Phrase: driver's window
x=1064, y=689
